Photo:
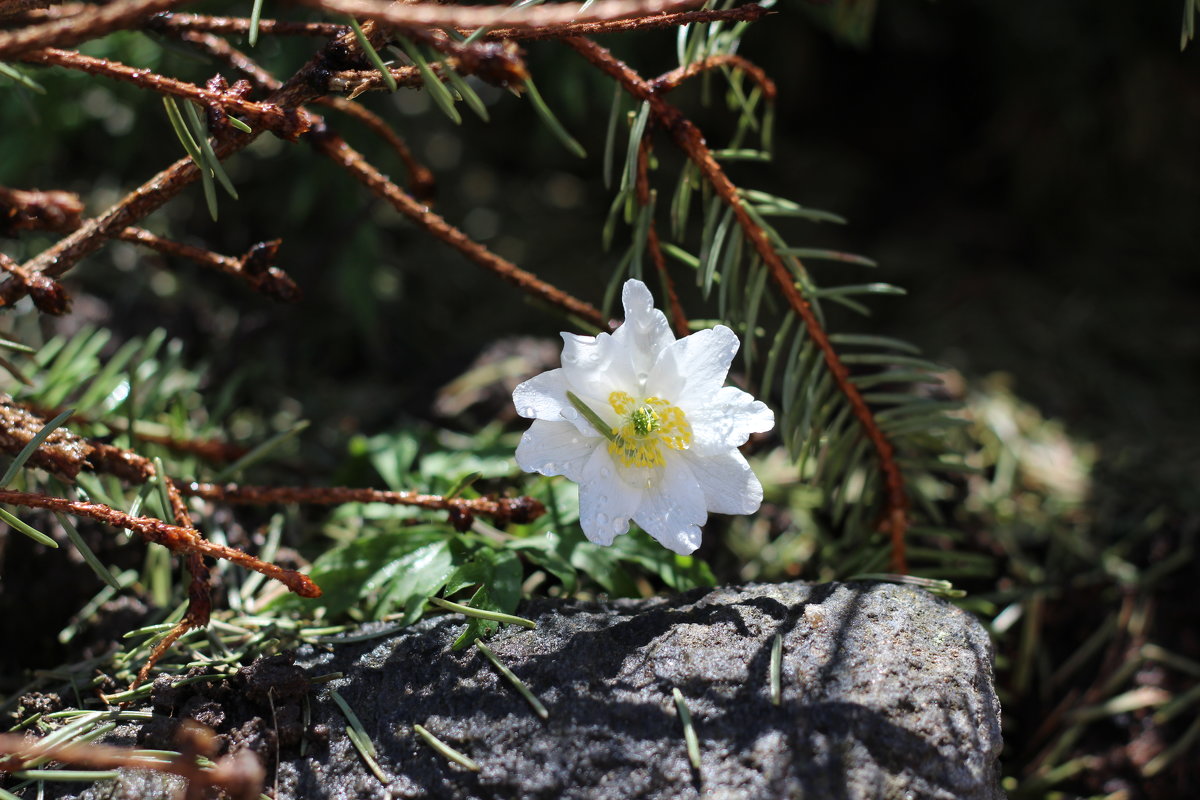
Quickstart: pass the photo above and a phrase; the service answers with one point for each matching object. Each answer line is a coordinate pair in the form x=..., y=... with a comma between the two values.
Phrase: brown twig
x=199, y=606
x=81, y=27
x=690, y=140
x=254, y=267
x=38, y=211
x=204, y=23
x=148, y=197
x=240, y=774
x=748, y=13
x=419, y=175
x=501, y=510
x=48, y=295
x=433, y=14
x=223, y=51
x=175, y=538
x=344, y=155
x=61, y=453
x=285, y=122
x=672, y=79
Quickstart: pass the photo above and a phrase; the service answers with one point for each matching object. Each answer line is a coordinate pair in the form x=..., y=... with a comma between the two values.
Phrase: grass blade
x=517, y=683
x=359, y=738
x=689, y=730
x=88, y=556
x=482, y=613
x=777, y=670
x=445, y=749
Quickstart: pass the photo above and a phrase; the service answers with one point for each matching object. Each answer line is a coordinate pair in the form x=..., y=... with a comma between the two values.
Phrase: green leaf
x=16, y=75
x=636, y=131
x=828, y=255
x=551, y=121
x=543, y=551
x=351, y=573
x=193, y=151
x=86, y=552
x=500, y=591
x=412, y=579
x=210, y=157
x=610, y=136
x=376, y=60
x=469, y=95
x=255, y=16
x=21, y=527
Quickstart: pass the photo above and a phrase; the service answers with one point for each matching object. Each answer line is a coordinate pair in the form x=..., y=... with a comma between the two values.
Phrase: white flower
x=644, y=424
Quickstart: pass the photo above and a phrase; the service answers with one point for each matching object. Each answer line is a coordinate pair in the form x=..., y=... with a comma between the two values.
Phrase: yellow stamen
x=645, y=426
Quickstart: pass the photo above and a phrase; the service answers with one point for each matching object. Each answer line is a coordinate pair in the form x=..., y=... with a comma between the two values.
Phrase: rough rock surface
x=887, y=693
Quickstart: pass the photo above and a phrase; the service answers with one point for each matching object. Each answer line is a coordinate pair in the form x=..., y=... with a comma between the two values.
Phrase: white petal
x=542, y=396
x=556, y=448
x=606, y=503
x=673, y=510
x=690, y=371
x=728, y=483
x=727, y=421
x=645, y=331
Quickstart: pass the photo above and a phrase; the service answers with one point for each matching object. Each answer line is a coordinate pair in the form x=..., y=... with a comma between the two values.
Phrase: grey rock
x=887, y=693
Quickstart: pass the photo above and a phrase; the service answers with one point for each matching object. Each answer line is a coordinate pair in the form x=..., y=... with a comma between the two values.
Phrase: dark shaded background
x=1029, y=172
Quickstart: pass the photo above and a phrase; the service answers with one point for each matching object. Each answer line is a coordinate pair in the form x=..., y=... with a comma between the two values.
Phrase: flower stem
x=591, y=416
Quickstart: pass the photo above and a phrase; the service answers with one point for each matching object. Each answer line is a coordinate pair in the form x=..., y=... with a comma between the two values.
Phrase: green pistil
x=645, y=421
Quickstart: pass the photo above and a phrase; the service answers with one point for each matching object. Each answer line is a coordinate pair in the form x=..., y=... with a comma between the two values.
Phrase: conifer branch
x=689, y=139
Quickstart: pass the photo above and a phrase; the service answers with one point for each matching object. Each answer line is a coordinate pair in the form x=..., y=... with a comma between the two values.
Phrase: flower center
x=645, y=427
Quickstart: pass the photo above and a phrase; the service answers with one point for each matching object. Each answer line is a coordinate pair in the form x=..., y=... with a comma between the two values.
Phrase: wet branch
x=88, y=24
x=501, y=510
x=431, y=14
x=747, y=13
x=254, y=267
x=284, y=122
x=176, y=538
x=240, y=774
x=346, y=156
x=675, y=77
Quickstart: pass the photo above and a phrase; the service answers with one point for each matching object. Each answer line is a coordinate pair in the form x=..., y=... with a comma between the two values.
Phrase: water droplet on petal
x=549, y=467
x=593, y=356
x=528, y=411
x=641, y=376
x=602, y=519
x=745, y=467
x=605, y=472
x=603, y=500
x=570, y=414
x=567, y=358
